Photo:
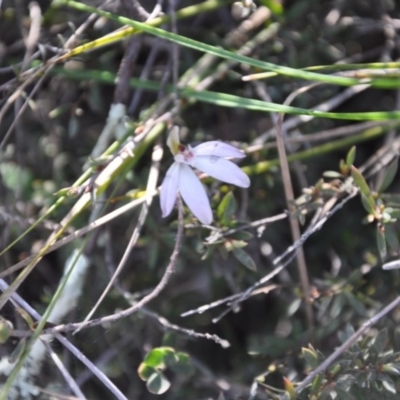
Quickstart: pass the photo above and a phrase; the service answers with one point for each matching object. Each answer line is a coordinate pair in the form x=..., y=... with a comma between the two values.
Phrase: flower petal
x=194, y=194
x=221, y=169
x=218, y=149
x=169, y=189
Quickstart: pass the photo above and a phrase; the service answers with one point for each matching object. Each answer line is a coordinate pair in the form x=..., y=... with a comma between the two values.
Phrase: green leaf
x=144, y=371
x=231, y=245
x=183, y=358
x=346, y=334
x=389, y=176
x=389, y=386
x=356, y=304
x=155, y=358
x=183, y=367
x=351, y=155
x=228, y=100
x=395, y=213
x=158, y=383
x=310, y=356
x=381, y=240
x=344, y=169
x=289, y=388
x=245, y=259
x=171, y=358
x=6, y=329
x=226, y=209
x=316, y=385
x=380, y=341
x=366, y=195
x=367, y=205
x=390, y=369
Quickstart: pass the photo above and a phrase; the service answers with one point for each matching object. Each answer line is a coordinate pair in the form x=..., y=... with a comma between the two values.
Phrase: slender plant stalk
x=294, y=223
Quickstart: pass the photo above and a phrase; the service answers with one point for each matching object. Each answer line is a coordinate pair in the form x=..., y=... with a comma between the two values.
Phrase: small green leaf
x=311, y=357
x=367, y=206
x=381, y=240
x=155, y=358
x=171, y=358
x=346, y=334
x=230, y=245
x=395, y=213
x=6, y=329
x=335, y=369
x=158, y=383
x=245, y=259
x=351, y=156
x=343, y=168
x=380, y=341
x=389, y=386
x=386, y=217
x=356, y=304
x=389, y=176
x=366, y=195
x=226, y=209
x=316, y=385
x=390, y=369
x=183, y=358
x=183, y=367
x=289, y=388
x=144, y=371
x=208, y=253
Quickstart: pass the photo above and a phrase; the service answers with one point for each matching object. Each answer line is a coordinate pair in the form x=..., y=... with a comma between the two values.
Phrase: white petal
x=221, y=169
x=194, y=194
x=169, y=189
x=219, y=149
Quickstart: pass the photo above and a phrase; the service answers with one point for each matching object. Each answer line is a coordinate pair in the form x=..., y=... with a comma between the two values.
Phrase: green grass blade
x=229, y=100
x=206, y=48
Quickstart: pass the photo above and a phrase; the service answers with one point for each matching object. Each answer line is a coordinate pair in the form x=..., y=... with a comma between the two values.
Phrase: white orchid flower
x=208, y=157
